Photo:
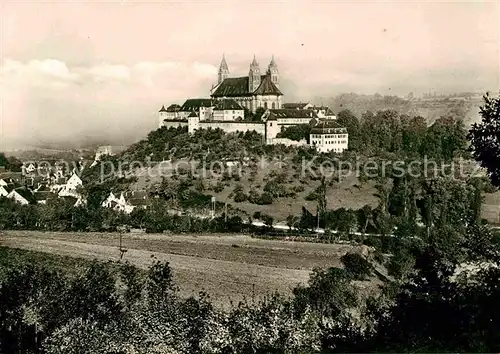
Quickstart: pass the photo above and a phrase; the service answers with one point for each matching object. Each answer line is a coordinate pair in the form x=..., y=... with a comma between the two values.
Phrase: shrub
x=356, y=265
x=265, y=199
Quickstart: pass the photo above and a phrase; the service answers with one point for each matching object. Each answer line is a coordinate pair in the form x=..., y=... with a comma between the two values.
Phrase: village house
x=22, y=196
x=5, y=190
x=118, y=204
x=70, y=189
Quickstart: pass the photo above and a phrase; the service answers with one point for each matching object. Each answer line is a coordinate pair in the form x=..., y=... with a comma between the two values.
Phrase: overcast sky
x=78, y=70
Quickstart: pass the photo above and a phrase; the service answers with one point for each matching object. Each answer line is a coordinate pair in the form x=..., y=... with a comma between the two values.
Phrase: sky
x=82, y=72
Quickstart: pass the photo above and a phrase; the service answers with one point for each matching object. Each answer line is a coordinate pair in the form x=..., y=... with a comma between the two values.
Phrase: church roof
x=238, y=86
x=162, y=109
x=227, y=104
x=233, y=87
x=194, y=104
x=267, y=87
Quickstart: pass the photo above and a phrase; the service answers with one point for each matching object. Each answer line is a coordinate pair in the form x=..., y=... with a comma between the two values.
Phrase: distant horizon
x=80, y=71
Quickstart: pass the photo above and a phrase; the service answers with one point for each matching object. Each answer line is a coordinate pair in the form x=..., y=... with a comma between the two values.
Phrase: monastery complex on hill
x=233, y=100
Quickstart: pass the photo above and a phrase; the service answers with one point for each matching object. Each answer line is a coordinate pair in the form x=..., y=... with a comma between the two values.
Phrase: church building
x=252, y=91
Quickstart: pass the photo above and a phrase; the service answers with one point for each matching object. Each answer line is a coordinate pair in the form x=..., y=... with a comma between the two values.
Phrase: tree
x=4, y=161
x=291, y=220
x=485, y=138
x=348, y=120
x=296, y=132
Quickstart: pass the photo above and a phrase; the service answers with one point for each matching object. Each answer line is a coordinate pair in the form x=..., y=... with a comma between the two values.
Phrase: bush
x=265, y=199
x=356, y=265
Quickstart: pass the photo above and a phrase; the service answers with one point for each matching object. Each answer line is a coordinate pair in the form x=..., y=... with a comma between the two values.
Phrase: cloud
x=109, y=72
x=47, y=72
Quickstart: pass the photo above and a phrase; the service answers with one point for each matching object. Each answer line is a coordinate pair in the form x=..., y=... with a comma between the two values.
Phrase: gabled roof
x=267, y=87
x=8, y=188
x=162, y=109
x=193, y=114
x=238, y=86
x=26, y=194
x=293, y=113
x=173, y=108
x=227, y=104
x=232, y=87
x=194, y=104
x=294, y=105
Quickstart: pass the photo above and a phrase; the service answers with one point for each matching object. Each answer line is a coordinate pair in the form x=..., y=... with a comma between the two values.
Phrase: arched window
x=265, y=105
x=273, y=105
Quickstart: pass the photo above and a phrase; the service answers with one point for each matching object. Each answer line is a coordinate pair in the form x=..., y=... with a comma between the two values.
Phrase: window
x=265, y=105
x=273, y=105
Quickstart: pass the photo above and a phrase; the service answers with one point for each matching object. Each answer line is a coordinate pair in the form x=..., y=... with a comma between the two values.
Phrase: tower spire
x=223, y=70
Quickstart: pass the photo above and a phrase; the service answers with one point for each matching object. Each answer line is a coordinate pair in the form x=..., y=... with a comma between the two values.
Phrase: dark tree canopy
x=485, y=138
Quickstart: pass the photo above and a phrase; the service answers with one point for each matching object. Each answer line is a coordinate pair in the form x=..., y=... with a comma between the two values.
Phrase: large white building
x=329, y=136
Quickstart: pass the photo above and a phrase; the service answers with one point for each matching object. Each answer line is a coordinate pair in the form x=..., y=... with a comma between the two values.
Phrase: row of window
x=329, y=136
x=329, y=142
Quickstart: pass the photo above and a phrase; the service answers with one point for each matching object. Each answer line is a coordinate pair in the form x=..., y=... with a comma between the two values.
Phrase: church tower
x=253, y=76
x=272, y=70
x=223, y=70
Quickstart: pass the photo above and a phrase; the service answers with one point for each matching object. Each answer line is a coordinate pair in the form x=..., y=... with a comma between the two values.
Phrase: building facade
x=328, y=136
x=252, y=91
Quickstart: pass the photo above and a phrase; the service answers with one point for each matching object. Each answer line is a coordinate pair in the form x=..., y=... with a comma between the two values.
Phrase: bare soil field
x=228, y=268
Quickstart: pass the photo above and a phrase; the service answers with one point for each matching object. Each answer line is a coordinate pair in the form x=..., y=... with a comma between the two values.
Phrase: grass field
x=228, y=268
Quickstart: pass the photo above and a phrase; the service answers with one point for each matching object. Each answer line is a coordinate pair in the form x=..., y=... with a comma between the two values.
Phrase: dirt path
x=224, y=267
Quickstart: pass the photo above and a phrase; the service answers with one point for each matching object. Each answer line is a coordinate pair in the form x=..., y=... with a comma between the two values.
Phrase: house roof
x=238, y=86
x=137, y=194
x=138, y=201
x=26, y=194
x=292, y=113
x=162, y=109
x=227, y=104
x=11, y=175
x=43, y=195
x=193, y=114
x=8, y=188
x=294, y=105
x=174, y=108
x=326, y=126
x=194, y=104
